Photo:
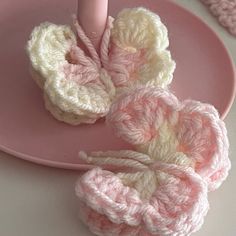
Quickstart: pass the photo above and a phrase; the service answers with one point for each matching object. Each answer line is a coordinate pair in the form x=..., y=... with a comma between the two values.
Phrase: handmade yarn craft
x=159, y=188
x=79, y=88
x=180, y=149
x=225, y=11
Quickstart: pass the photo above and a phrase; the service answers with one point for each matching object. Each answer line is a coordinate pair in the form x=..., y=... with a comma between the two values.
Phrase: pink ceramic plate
x=204, y=72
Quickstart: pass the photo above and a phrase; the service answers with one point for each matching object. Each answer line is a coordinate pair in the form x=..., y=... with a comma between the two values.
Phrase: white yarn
x=39, y=79
x=159, y=69
x=90, y=101
x=123, y=158
x=74, y=103
x=143, y=29
x=68, y=117
x=142, y=177
x=68, y=102
x=168, y=142
x=47, y=47
x=140, y=29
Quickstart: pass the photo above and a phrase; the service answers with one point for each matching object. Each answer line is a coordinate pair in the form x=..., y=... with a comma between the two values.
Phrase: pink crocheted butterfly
x=157, y=124
x=161, y=188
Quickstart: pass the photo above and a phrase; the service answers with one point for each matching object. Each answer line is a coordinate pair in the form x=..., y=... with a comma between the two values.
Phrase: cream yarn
x=80, y=88
x=181, y=153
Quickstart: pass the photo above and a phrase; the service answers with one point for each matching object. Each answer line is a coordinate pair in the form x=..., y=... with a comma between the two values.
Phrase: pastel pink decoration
x=225, y=11
x=161, y=188
x=83, y=69
x=176, y=207
x=156, y=123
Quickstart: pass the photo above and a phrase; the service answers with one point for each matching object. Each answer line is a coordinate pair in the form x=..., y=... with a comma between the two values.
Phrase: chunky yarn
x=163, y=199
x=225, y=11
x=80, y=88
x=161, y=188
x=188, y=132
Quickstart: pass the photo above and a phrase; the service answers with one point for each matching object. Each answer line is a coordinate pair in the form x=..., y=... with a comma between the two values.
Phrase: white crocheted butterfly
x=79, y=88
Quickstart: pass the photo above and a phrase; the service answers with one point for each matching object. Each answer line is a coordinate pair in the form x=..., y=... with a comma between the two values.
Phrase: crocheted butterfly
x=80, y=88
x=181, y=153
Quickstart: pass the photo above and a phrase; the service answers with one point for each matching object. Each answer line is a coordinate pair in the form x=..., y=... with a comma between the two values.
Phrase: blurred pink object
x=92, y=16
x=225, y=11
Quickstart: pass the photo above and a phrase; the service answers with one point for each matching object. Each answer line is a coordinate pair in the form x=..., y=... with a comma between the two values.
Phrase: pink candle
x=92, y=16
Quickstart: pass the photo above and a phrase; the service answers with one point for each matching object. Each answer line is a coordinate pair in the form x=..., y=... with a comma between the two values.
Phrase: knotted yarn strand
x=181, y=153
x=80, y=88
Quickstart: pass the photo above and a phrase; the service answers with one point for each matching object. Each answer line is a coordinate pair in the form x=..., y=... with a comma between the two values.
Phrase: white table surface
x=40, y=201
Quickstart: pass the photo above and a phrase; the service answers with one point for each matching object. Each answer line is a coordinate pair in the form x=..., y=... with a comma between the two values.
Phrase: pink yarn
x=160, y=189
x=225, y=11
x=177, y=207
x=80, y=83
x=86, y=69
x=201, y=135
x=119, y=63
x=123, y=65
x=149, y=196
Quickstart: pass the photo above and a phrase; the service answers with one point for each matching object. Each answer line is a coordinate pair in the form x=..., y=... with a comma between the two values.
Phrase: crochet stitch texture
x=181, y=153
x=80, y=88
x=180, y=149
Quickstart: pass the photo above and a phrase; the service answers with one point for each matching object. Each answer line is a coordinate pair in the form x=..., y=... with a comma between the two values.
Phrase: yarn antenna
x=92, y=16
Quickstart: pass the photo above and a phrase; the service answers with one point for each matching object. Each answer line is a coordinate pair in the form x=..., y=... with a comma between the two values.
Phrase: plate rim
x=220, y=41
x=82, y=167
